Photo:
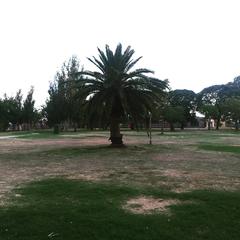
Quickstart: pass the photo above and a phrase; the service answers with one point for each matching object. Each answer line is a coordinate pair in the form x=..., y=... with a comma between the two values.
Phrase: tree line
x=17, y=113
x=118, y=93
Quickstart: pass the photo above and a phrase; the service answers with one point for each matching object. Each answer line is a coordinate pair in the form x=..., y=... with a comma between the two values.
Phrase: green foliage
x=63, y=105
x=231, y=108
x=29, y=113
x=220, y=148
x=187, y=100
x=15, y=111
x=116, y=91
x=3, y=116
x=210, y=102
x=211, y=112
x=12, y=111
x=216, y=94
x=64, y=209
x=174, y=115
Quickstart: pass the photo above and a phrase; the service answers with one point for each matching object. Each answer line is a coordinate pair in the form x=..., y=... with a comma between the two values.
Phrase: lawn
x=74, y=186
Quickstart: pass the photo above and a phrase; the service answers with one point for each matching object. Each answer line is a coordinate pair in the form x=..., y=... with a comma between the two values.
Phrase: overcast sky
x=193, y=43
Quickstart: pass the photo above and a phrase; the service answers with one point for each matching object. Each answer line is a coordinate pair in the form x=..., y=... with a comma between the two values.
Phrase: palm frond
x=117, y=89
x=95, y=75
x=131, y=64
x=97, y=63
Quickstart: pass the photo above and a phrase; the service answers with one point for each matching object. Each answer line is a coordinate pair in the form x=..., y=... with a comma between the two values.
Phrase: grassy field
x=74, y=186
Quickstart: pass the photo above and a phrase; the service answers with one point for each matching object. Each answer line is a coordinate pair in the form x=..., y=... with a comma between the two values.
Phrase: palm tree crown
x=116, y=90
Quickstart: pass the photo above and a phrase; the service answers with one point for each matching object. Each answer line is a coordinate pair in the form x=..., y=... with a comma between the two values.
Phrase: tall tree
x=116, y=90
x=28, y=110
x=3, y=116
x=62, y=105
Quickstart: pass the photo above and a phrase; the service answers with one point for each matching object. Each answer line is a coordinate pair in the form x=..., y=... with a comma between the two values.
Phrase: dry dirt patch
x=149, y=205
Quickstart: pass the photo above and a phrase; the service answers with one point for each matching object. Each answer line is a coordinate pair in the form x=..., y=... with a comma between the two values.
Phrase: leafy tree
x=232, y=89
x=28, y=110
x=3, y=116
x=174, y=114
x=213, y=95
x=114, y=91
x=217, y=94
x=187, y=100
x=14, y=109
x=210, y=112
x=63, y=105
x=231, y=108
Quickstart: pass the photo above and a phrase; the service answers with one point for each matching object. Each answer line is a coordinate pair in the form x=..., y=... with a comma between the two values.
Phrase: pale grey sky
x=193, y=43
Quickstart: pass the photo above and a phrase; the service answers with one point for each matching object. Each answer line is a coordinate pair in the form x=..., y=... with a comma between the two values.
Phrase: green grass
x=64, y=209
x=221, y=148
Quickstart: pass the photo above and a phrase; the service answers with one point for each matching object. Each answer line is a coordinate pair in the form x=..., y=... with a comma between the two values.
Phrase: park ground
x=186, y=185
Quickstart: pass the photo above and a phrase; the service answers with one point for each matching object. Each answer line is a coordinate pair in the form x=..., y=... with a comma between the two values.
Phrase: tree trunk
x=172, y=127
x=56, y=129
x=218, y=124
x=115, y=135
x=209, y=124
x=236, y=125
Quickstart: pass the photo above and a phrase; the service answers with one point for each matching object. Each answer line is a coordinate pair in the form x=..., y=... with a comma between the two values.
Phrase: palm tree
x=115, y=92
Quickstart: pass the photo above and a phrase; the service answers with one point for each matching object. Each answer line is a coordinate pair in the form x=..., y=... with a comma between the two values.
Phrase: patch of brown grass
x=169, y=163
x=149, y=205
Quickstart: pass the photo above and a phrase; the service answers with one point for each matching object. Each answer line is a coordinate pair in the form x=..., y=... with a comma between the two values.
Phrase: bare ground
x=149, y=205
x=172, y=163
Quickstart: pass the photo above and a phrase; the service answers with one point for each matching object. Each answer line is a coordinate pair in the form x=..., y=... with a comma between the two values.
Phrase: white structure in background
x=201, y=119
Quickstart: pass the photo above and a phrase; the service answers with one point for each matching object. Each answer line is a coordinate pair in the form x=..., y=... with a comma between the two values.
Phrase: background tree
x=231, y=108
x=28, y=110
x=174, y=115
x=216, y=95
x=63, y=106
x=4, y=122
x=210, y=112
x=13, y=109
x=114, y=92
x=212, y=96
x=187, y=100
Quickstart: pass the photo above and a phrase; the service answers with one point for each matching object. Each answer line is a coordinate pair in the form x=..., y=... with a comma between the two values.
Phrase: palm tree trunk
x=115, y=135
